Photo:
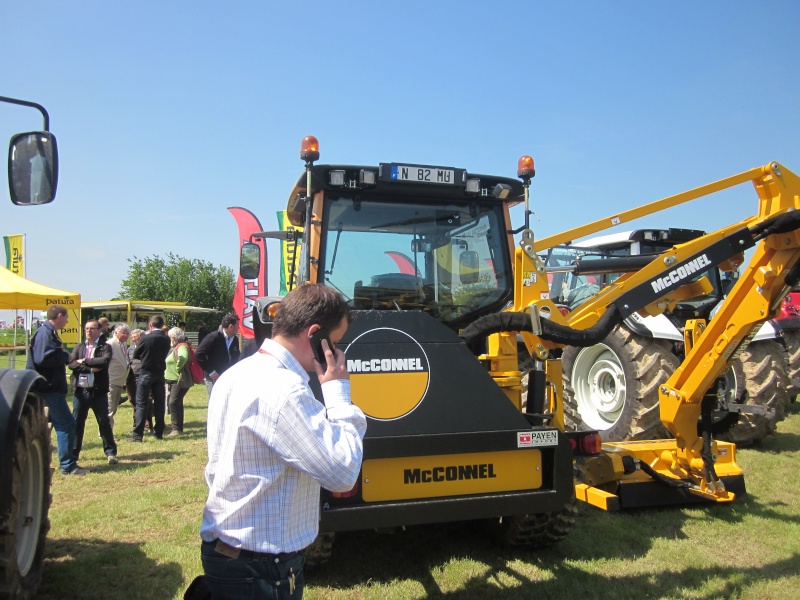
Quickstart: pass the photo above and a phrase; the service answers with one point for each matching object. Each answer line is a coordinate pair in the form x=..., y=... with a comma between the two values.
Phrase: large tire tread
x=647, y=364
x=319, y=552
x=539, y=530
x=33, y=429
x=791, y=340
x=766, y=384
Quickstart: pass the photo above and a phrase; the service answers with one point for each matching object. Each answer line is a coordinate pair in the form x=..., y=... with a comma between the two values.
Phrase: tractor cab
x=398, y=237
x=579, y=271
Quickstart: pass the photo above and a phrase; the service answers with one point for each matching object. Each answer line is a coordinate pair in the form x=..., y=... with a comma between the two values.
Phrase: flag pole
x=30, y=311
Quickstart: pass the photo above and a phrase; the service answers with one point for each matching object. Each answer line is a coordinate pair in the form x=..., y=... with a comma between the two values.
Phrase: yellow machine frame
x=755, y=298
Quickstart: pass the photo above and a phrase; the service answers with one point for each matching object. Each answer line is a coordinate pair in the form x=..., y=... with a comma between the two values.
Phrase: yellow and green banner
x=290, y=254
x=14, y=245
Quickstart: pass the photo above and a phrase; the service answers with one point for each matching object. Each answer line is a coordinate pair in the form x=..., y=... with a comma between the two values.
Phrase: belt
x=232, y=552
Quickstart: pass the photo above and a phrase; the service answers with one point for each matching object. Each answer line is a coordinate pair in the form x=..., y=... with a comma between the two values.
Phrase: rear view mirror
x=32, y=168
x=250, y=261
x=468, y=267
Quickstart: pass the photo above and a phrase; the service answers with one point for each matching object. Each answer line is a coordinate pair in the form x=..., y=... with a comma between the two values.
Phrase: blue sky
x=166, y=113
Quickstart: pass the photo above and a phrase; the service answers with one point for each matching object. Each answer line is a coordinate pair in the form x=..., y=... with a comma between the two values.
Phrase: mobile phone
x=316, y=344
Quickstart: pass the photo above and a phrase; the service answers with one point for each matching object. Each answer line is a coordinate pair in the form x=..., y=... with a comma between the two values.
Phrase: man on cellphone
x=272, y=445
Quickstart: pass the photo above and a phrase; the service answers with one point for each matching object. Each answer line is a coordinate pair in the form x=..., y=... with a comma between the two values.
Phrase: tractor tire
x=791, y=341
x=319, y=552
x=723, y=420
x=766, y=383
x=22, y=536
x=537, y=530
x=612, y=387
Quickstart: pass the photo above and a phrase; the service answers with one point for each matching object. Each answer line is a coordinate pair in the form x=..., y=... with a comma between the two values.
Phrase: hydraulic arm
x=692, y=460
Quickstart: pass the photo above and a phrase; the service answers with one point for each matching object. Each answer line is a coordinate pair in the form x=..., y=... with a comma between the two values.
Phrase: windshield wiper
x=335, y=249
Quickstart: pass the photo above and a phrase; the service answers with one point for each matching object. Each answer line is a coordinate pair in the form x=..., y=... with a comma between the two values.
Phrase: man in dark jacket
x=152, y=351
x=219, y=350
x=202, y=332
x=89, y=363
x=47, y=357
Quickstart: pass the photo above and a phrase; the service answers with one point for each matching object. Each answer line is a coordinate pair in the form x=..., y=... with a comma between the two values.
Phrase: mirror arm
x=38, y=107
x=290, y=235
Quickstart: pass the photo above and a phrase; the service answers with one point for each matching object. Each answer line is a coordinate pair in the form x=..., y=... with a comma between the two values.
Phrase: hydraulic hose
x=782, y=223
x=553, y=332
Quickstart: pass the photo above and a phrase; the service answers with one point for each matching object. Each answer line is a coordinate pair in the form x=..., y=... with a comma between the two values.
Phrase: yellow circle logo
x=389, y=373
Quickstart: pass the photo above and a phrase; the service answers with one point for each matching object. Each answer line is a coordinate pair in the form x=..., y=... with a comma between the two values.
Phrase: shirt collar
x=284, y=357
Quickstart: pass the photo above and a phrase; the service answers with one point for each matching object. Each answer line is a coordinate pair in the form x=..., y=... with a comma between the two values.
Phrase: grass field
x=131, y=531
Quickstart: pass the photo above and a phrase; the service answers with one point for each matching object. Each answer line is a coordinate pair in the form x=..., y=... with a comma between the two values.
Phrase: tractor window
x=445, y=259
x=569, y=289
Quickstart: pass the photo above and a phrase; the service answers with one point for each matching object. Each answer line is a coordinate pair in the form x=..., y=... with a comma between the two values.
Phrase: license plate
x=419, y=174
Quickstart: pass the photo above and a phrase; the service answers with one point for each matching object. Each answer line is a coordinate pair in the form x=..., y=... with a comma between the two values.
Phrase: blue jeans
x=146, y=383
x=265, y=576
x=64, y=423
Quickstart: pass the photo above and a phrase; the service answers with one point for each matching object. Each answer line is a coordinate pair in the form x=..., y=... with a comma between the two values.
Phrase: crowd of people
x=271, y=443
x=151, y=367
x=18, y=324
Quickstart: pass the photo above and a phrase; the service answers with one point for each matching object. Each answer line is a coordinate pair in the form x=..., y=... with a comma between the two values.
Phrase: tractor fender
x=766, y=332
x=658, y=327
x=770, y=330
x=785, y=325
x=15, y=385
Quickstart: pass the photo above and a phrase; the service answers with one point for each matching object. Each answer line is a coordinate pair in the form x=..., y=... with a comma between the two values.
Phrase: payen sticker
x=384, y=359
x=537, y=439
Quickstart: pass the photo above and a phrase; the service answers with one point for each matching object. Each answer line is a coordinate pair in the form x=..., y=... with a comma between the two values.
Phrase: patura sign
x=382, y=360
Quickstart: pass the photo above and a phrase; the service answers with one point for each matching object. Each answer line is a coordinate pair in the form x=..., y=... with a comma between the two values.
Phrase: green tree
x=178, y=279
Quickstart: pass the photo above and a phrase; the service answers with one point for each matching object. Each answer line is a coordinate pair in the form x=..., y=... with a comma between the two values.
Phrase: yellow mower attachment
x=637, y=474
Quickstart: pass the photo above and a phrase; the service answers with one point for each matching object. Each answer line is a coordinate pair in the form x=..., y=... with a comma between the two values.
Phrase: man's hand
x=335, y=363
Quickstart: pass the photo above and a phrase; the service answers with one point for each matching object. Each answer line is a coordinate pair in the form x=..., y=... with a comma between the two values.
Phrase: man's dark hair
x=229, y=320
x=157, y=321
x=307, y=305
x=55, y=311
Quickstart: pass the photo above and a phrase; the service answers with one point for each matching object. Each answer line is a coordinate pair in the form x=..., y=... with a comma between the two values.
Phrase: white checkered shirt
x=271, y=445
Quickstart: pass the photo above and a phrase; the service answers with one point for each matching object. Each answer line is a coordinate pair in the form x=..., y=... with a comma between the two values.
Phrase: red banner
x=248, y=290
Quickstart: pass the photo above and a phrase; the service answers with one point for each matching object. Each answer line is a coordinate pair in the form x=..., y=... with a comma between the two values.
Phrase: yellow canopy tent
x=19, y=293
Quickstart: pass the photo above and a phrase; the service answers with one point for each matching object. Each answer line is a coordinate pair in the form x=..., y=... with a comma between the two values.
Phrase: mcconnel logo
x=384, y=359
x=449, y=473
x=701, y=263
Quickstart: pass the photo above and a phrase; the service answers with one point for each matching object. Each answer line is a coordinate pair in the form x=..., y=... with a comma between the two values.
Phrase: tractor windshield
x=449, y=260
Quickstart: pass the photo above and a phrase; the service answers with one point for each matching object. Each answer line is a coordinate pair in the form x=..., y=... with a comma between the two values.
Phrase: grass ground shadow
x=118, y=570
